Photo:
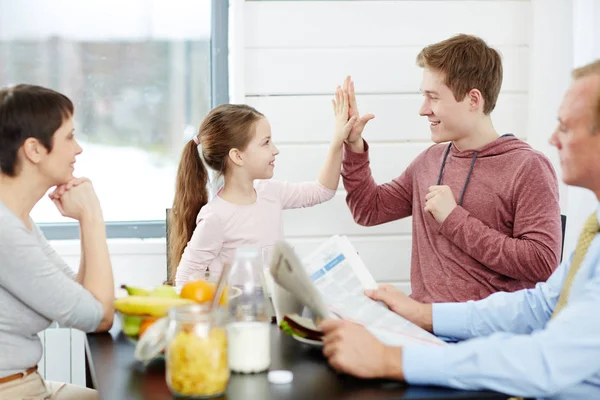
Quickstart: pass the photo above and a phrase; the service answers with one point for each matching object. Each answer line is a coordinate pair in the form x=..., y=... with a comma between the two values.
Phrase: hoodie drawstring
x=464, y=189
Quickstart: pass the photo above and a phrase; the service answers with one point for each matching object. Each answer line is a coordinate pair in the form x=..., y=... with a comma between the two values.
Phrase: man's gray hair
x=585, y=71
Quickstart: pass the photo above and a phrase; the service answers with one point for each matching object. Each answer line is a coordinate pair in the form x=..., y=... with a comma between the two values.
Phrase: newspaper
x=331, y=282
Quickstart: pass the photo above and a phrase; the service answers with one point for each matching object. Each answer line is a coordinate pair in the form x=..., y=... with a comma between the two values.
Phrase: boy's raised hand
x=343, y=123
x=357, y=128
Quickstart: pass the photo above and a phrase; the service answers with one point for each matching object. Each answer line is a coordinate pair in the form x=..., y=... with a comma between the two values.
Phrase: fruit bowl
x=139, y=307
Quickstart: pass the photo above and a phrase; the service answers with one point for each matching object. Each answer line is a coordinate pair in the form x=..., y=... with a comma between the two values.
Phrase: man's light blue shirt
x=514, y=347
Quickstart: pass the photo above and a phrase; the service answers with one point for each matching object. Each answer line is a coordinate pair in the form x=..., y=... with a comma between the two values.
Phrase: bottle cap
x=280, y=377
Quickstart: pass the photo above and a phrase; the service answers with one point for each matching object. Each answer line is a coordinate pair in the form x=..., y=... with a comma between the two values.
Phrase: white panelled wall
x=287, y=57
x=296, y=52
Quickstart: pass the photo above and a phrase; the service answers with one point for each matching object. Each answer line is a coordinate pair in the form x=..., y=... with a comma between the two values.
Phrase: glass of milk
x=248, y=330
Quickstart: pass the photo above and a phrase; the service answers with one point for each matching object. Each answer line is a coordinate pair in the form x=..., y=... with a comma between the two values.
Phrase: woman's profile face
x=58, y=164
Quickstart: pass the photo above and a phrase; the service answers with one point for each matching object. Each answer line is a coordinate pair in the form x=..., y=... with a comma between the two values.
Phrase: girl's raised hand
x=343, y=123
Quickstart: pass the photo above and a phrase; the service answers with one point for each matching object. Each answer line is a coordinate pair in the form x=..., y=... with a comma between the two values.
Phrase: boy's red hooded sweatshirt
x=504, y=235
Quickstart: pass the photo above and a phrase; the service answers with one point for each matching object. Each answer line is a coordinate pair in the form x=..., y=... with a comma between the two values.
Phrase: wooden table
x=114, y=372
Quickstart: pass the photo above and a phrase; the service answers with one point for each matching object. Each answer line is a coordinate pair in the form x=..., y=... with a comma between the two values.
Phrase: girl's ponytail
x=191, y=195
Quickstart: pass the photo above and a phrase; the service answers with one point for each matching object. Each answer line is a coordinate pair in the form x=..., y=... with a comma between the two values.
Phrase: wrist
x=392, y=363
x=425, y=318
x=454, y=217
x=356, y=146
x=445, y=217
x=91, y=217
x=336, y=143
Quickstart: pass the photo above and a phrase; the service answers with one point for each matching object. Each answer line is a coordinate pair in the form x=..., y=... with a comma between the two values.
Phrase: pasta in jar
x=196, y=358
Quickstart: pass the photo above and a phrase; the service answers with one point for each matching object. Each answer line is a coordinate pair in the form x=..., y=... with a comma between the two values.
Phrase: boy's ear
x=475, y=99
x=236, y=157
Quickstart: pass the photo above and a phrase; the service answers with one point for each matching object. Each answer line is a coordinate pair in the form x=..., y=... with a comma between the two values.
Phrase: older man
x=541, y=342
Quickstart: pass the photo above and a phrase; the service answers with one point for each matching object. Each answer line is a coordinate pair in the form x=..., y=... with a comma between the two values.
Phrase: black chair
x=563, y=221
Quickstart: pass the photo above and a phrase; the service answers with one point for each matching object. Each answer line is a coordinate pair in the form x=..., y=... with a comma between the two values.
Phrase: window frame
x=219, y=90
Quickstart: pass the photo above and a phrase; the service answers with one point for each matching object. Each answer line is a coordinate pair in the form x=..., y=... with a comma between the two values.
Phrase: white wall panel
x=375, y=70
x=297, y=24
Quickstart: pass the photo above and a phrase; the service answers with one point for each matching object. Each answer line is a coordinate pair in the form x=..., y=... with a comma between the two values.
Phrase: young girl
x=235, y=141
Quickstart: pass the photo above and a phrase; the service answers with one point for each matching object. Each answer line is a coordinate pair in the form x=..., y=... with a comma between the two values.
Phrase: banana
x=135, y=291
x=145, y=305
x=165, y=291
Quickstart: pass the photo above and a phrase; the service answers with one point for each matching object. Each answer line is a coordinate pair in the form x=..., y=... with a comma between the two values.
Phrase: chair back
x=167, y=222
x=563, y=221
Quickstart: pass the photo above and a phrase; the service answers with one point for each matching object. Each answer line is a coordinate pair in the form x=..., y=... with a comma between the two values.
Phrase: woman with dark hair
x=37, y=152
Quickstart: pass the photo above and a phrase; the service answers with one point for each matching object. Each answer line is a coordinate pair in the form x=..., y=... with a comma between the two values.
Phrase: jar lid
x=280, y=377
x=153, y=341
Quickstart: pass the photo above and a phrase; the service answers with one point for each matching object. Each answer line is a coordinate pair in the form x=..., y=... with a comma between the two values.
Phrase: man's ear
x=33, y=150
x=236, y=157
x=476, y=100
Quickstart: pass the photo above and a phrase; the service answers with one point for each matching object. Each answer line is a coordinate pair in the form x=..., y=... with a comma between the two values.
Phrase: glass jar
x=196, y=354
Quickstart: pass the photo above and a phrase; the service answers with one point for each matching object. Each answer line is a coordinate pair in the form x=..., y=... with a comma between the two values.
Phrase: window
x=140, y=74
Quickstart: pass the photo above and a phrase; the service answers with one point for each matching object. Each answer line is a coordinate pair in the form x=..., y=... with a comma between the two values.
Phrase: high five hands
x=343, y=123
x=349, y=124
x=359, y=125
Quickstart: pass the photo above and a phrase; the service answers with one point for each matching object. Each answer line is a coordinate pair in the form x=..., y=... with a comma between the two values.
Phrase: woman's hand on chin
x=61, y=189
x=76, y=199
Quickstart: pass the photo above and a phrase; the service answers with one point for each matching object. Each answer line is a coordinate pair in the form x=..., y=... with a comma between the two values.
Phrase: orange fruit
x=146, y=323
x=201, y=291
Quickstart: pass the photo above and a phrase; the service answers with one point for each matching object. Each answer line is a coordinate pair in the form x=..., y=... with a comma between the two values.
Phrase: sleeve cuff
x=450, y=320
x=424, y=365
x=98, y=313
x=325, y=189
x=453, y=220
x=351, y=156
